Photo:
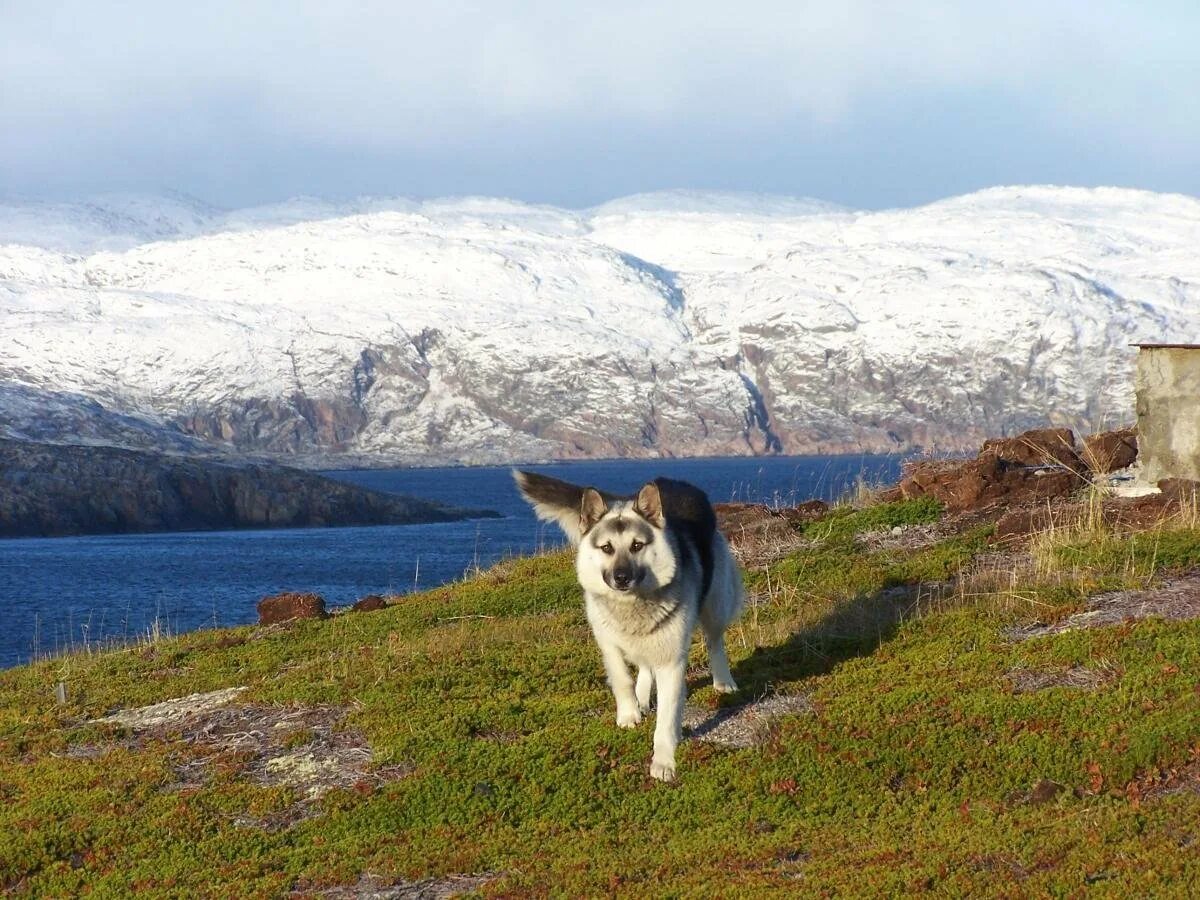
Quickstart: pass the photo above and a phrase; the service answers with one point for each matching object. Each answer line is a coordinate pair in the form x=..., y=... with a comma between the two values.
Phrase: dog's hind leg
x=718, y=659
x=645, y=684
x=621, y=682
x=721, y=607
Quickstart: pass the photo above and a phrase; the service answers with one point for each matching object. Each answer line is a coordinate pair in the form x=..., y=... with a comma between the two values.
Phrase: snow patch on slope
x=482, y=329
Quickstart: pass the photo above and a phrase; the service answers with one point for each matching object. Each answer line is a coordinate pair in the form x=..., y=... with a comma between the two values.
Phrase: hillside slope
x=678, y=323
x=922, y=710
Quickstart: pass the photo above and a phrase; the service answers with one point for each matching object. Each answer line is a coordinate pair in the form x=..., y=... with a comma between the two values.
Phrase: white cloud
x=408, y=78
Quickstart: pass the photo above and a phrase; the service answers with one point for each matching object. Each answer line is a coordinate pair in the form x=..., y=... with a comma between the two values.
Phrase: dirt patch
x=304, y=748
x=744, y=726
x=759, y=535
x=1026, y=681
x=1176, y=498
x=1175, y=600
x=372, y=887
x=1022, y=521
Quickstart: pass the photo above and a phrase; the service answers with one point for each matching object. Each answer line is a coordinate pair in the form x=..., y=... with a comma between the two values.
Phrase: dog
x=652, y=568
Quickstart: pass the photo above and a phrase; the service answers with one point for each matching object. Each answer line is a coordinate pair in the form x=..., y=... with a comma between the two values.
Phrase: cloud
x=227, y=93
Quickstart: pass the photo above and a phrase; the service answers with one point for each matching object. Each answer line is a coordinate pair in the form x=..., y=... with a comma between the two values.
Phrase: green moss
x=913, y=773
x=1139, y=553
x=847, y=521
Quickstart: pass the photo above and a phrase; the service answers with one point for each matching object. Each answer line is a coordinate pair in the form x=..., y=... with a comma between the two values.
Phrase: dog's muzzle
x=622, y=579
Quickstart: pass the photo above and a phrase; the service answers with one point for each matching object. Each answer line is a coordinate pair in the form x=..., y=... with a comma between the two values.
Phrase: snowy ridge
x=481, y=329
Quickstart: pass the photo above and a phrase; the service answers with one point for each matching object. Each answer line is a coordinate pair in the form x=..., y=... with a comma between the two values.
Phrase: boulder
x=288, y=606
x=1040, y=447
x=1110, y=451
x=1003, y=474
x=370, y=603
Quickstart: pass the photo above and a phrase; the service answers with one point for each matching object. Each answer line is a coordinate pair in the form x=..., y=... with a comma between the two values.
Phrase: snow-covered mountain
x=479, y=329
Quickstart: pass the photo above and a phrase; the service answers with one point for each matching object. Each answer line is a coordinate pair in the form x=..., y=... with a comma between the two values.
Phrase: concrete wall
x=1168, y=412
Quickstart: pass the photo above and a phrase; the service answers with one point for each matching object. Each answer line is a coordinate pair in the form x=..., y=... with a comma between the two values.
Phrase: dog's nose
x=621, y=578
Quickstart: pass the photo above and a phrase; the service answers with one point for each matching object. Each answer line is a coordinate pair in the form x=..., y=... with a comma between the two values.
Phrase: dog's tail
x=555, y=501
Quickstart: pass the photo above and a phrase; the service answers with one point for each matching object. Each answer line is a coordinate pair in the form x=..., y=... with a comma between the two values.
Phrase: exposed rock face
x=1013, y=471
x=1040, y=447
x=1110, y=451
x=986, y=481
x=50, y=490
x=288, y=606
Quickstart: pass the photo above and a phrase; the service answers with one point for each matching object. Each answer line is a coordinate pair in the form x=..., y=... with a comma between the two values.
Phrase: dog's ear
x=591, y=510
x=555, y=501
x=649, y=505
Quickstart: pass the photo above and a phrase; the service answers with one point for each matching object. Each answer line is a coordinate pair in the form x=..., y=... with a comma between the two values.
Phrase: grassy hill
x=918, y=713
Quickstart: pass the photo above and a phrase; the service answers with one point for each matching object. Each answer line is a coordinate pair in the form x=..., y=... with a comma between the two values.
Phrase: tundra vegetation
x=934, y=708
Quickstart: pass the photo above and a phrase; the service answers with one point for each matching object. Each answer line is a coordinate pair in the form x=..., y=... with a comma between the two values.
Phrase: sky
x=870, y=104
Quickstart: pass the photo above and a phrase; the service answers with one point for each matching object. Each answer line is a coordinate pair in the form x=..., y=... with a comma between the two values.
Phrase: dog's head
x=624, y=547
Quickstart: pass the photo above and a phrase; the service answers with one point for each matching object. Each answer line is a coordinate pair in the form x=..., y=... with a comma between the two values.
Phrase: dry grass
x=862, y=495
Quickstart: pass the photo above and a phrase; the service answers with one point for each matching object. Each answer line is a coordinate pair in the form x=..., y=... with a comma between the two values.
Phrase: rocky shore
x=48, y=489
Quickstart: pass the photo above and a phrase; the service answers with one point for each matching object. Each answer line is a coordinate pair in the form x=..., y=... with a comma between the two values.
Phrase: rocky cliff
x=54, y=490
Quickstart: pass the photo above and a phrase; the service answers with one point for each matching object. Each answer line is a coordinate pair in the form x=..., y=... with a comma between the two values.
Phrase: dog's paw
x=725, y=687
x=663, y=771
x=629, y=718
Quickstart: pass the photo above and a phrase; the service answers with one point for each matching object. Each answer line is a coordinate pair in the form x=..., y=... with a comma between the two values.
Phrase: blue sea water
x=57, y=593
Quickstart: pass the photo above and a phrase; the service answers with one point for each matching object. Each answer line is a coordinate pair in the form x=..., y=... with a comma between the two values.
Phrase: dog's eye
x=607, y=548
x=636, y=546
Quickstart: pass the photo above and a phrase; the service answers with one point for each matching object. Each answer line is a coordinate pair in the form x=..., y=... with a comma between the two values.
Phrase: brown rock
x=287, y=606
x=1110, y=450
x=735, y=519
x=369, y=603
x=1044, y=791
x=1040, y=447
x=986, y=481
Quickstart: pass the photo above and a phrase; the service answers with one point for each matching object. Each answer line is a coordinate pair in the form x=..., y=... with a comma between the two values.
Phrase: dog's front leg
x=672, y=687
x=644, y=686
x=621, y=682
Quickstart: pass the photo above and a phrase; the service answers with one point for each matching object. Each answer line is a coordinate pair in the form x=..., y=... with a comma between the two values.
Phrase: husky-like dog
x=651, y=567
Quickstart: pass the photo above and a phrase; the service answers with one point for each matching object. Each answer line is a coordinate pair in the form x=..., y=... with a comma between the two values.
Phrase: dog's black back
x=690, y=515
